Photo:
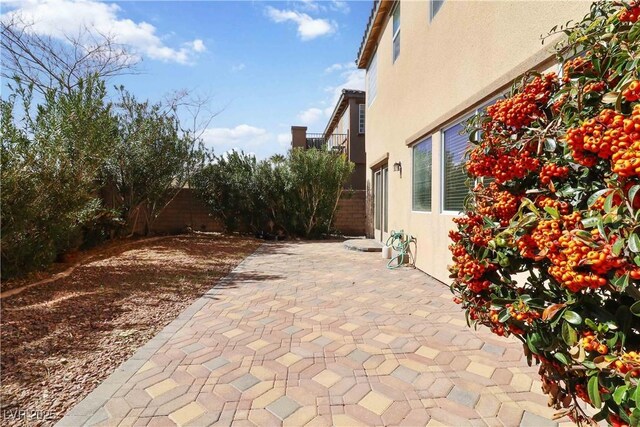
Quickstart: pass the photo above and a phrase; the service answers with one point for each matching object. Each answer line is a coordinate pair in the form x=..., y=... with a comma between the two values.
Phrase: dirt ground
x=59, y=340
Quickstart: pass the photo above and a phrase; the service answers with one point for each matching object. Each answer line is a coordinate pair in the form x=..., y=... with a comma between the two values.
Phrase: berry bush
x=548, y=248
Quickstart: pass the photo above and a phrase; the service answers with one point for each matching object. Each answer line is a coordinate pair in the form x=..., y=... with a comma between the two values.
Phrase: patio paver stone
x=310, y=333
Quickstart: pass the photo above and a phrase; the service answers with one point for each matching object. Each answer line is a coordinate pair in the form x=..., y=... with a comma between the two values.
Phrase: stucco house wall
x=467, y=54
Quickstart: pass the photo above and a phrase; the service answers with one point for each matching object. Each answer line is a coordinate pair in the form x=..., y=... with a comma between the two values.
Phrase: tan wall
x=351, y=216
x=470, y=51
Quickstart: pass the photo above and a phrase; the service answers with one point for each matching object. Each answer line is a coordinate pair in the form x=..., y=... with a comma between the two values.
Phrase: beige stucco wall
x=470, y=51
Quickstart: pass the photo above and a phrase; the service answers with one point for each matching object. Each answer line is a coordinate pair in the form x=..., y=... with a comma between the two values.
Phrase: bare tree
x=194, y=110
x=48, y=62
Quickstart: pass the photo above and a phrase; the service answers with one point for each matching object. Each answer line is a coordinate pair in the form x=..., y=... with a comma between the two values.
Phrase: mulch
x=61, y=339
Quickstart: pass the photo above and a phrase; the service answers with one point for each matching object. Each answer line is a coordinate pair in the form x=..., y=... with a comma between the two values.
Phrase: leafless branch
x=47, y=62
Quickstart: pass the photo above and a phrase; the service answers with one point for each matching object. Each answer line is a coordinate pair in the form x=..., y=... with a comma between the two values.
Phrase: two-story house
x=429, y=66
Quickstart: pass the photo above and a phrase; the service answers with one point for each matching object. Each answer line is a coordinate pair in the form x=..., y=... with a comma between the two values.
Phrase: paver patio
x=314, y=334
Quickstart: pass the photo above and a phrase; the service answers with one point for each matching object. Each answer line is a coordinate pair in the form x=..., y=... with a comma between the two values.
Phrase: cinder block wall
x=351, y=218
x=185, y=210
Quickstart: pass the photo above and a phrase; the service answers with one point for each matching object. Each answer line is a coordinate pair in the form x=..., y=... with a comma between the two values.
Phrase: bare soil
x=61, y=339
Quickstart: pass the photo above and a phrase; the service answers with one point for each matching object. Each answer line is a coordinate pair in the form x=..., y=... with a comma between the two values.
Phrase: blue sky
x=267, y=65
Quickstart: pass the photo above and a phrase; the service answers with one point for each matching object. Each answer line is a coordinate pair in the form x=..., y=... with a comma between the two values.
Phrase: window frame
x=451, y=124
x=395, y=33
x=362, y=114
x=442, y=157
x=428, y=139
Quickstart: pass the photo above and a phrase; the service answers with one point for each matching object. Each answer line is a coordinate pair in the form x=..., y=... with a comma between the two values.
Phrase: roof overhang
x=375, y=26
x=342, y=104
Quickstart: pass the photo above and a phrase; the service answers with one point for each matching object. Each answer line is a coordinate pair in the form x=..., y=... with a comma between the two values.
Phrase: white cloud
x=198, y=45
x=311, y=116
x=340, y=6
x=340, y=67
x=58, y=18
x=241, y=135
x=308, y=28
x=238, y=67
x=351, y=79
x=323, y=6
x=247, y=138
x=311, y=5
x=284, y=139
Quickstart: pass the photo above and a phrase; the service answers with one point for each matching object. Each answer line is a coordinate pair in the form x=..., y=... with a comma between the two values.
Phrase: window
x=422, y=167
x=435, y=7
x=396, y=32
x=372, y=76
x=454, y=146
x=361, y=118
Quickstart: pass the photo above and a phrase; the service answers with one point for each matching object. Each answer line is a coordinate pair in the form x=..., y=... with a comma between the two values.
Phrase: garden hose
x=399, y=242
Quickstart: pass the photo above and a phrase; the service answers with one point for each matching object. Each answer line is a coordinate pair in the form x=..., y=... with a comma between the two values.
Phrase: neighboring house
x=344, y=132
x=430, y=65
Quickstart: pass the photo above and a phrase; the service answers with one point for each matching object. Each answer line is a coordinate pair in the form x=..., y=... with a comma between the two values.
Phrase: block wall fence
x=187, y=211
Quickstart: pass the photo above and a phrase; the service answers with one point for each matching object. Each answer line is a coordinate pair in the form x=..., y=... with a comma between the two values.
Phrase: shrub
x=297, y=195
x=318, y=178
x=562, y=209
x=226, y=185
x=152, y=160
x=49, y=171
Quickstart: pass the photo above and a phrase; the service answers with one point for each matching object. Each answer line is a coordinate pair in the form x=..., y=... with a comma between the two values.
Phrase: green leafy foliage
x=548, y=248
x=297, y=195
x=49, y=169
x=152, y=159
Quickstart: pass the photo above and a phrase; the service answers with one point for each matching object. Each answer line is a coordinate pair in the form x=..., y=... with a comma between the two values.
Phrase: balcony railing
x=334, y=141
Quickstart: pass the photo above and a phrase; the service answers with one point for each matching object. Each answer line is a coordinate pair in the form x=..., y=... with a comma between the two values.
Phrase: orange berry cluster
x=548, y=202
x=496, y=204
x=581, y=392
x=522, y=313
x=616, y=421
x=501, y=164
x=598, y=205
x=557, y=106
x=546, y=235
x=470, y=268
x=574, y=263
x=632, y=92
x=528, y=248
x=590, y=343
x=575, y=67
x=525, y=107
x=626, y=160
x=473, y=226
x=630, y=14
x=580, y=266
x=594, y=87
x=602, y=136
x=628, y=362
x=552, y=170
x=478, y=286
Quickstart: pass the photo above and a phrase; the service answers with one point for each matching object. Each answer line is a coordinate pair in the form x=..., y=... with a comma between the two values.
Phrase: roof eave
x=374, y=29
x=341, y=105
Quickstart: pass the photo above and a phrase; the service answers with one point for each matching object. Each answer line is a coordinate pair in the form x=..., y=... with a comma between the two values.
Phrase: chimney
x=298, y=137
